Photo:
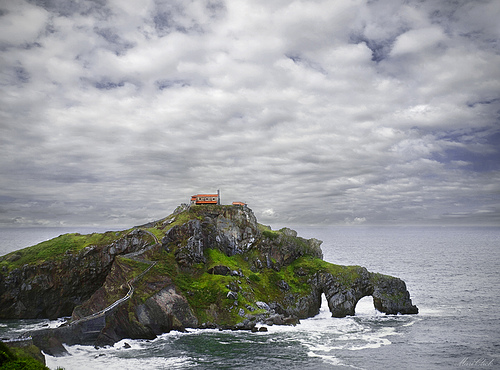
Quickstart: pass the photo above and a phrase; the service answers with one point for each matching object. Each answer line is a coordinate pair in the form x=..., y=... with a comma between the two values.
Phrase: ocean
x=452, y=274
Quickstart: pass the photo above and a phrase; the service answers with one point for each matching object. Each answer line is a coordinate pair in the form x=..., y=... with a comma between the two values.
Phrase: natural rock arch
x=389, y=294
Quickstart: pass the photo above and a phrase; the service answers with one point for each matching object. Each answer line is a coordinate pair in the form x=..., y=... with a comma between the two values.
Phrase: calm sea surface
x=451, y=273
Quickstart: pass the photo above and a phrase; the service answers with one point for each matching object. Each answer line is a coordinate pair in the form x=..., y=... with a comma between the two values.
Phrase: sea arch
x=344, y=290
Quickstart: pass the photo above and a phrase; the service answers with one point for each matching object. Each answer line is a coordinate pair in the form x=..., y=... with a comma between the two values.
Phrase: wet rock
x=291, y=320
x=208, y=325
x=391, y=296
x=275, y=319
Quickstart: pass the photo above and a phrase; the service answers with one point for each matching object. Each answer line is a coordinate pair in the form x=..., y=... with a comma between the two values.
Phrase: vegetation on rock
x=25, y=357
x=214, y=266
x=57, y=248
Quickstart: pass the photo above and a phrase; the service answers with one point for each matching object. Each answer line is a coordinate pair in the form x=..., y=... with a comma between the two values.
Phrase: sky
x=312, y=112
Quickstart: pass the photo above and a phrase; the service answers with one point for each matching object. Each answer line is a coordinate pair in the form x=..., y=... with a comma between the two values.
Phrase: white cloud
x=122, y=111
x=417, y=41
x=268, y=212
x=355, y=221
x=21, y=22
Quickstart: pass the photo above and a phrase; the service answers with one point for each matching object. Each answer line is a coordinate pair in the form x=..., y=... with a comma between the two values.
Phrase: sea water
x=451, y=272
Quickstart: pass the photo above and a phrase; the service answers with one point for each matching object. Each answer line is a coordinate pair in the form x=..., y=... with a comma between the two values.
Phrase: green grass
x=166, y=265
x=159, y=233
x=203, y=290
x=346, y=275
x=377, y=277
x=254, y=277
x=55, y=249
x=263, y=227
x=136, y=267
x=265, y=284
x=207, y=293
x=181, y=219
x=271, y=234
x=215, y=257
x=20, y=358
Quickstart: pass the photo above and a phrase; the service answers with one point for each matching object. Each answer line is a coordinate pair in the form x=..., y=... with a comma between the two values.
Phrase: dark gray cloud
x=113, y=113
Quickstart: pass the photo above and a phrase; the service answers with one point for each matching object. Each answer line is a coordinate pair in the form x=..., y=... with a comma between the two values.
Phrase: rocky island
x=204, y=266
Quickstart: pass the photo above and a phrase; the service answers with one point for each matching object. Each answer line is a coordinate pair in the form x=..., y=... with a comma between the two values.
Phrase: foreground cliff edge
x=204, y=266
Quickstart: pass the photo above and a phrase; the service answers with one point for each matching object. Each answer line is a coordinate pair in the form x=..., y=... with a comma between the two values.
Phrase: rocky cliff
x=48, y=280
x=201, y=267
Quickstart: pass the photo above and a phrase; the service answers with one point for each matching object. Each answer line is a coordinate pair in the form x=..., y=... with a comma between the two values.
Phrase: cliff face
x=52, y=287
x=233, y=230
x=214, y=266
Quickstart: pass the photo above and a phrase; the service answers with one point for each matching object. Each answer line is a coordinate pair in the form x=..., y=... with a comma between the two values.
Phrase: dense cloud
x=345, y=112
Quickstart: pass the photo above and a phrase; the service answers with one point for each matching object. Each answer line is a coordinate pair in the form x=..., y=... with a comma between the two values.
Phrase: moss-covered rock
x=214, y=267
x=53, y=282
x=21, y=355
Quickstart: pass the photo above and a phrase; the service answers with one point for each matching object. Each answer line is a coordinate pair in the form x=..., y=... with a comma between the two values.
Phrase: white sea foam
x=87, y=361
x=329, y=359
x=33, y=324
x=323, y=335
x=115, y=357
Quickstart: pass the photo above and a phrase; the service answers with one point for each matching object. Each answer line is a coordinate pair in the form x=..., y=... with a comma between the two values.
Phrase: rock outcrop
x=52, y=288
x=389, y=293
x=215, y=266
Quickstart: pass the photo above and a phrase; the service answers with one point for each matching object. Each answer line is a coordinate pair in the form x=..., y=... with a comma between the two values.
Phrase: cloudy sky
x=313, y=112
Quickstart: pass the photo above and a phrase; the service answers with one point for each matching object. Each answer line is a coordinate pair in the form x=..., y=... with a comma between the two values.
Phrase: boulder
x=220, y=270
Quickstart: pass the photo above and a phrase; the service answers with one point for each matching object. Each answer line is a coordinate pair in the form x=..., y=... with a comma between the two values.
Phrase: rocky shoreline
x=208, y=266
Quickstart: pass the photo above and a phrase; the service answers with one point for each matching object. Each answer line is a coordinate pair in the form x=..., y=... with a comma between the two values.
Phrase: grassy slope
x=55, y=249
x=27, y=358
x=207, y=293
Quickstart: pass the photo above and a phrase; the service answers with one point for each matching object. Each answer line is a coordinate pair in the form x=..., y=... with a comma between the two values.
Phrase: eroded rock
x=218, y=269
